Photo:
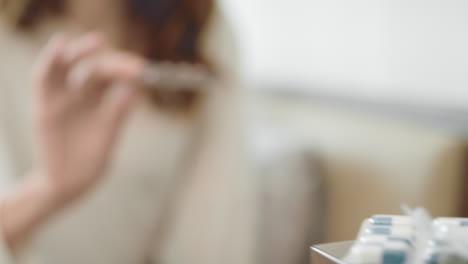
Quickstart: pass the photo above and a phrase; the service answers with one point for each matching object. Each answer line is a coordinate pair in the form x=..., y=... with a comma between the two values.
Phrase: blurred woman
x=176, y=190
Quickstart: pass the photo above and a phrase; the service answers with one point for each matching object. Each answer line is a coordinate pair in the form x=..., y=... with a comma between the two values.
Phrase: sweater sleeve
x=5, y=182
x=8, y=170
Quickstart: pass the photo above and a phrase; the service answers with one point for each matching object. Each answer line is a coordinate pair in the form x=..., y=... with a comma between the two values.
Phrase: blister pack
x=414, y=238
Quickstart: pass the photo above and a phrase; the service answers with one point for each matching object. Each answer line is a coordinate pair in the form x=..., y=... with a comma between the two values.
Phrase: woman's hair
x=172, y=30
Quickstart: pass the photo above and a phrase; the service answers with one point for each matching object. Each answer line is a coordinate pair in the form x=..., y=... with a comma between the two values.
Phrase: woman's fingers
x=120, y=65
x=83, y=72
x=49, y=67
x=84, y=47
x=84, y=80
x=58, y=56
x=90, y=78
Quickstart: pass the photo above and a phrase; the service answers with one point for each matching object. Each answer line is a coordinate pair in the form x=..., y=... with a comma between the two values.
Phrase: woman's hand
x=82, y=93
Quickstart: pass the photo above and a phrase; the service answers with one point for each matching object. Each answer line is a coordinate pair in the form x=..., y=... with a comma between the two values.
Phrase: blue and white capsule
x=382, y=239
x=401, y=231
x=390, y=220
x=388, y=253
x=450, y=222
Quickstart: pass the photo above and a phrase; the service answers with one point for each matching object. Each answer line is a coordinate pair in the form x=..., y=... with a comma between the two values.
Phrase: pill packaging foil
x=410, y=239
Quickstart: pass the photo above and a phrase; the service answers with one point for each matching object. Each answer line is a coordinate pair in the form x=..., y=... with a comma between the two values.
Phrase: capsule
x=450, y=222
x=391, y=220
x=381, y=239
x=387, y=253
x=392, y=231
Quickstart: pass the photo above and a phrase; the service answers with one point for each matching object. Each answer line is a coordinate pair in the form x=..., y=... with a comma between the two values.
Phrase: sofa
x=364, y=162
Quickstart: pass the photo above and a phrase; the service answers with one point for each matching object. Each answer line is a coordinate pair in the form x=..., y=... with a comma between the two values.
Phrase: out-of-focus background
x=354, y=108
x=374, y=92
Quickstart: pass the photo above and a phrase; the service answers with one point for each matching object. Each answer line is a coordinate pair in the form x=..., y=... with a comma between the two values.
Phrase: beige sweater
x=133, y=214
